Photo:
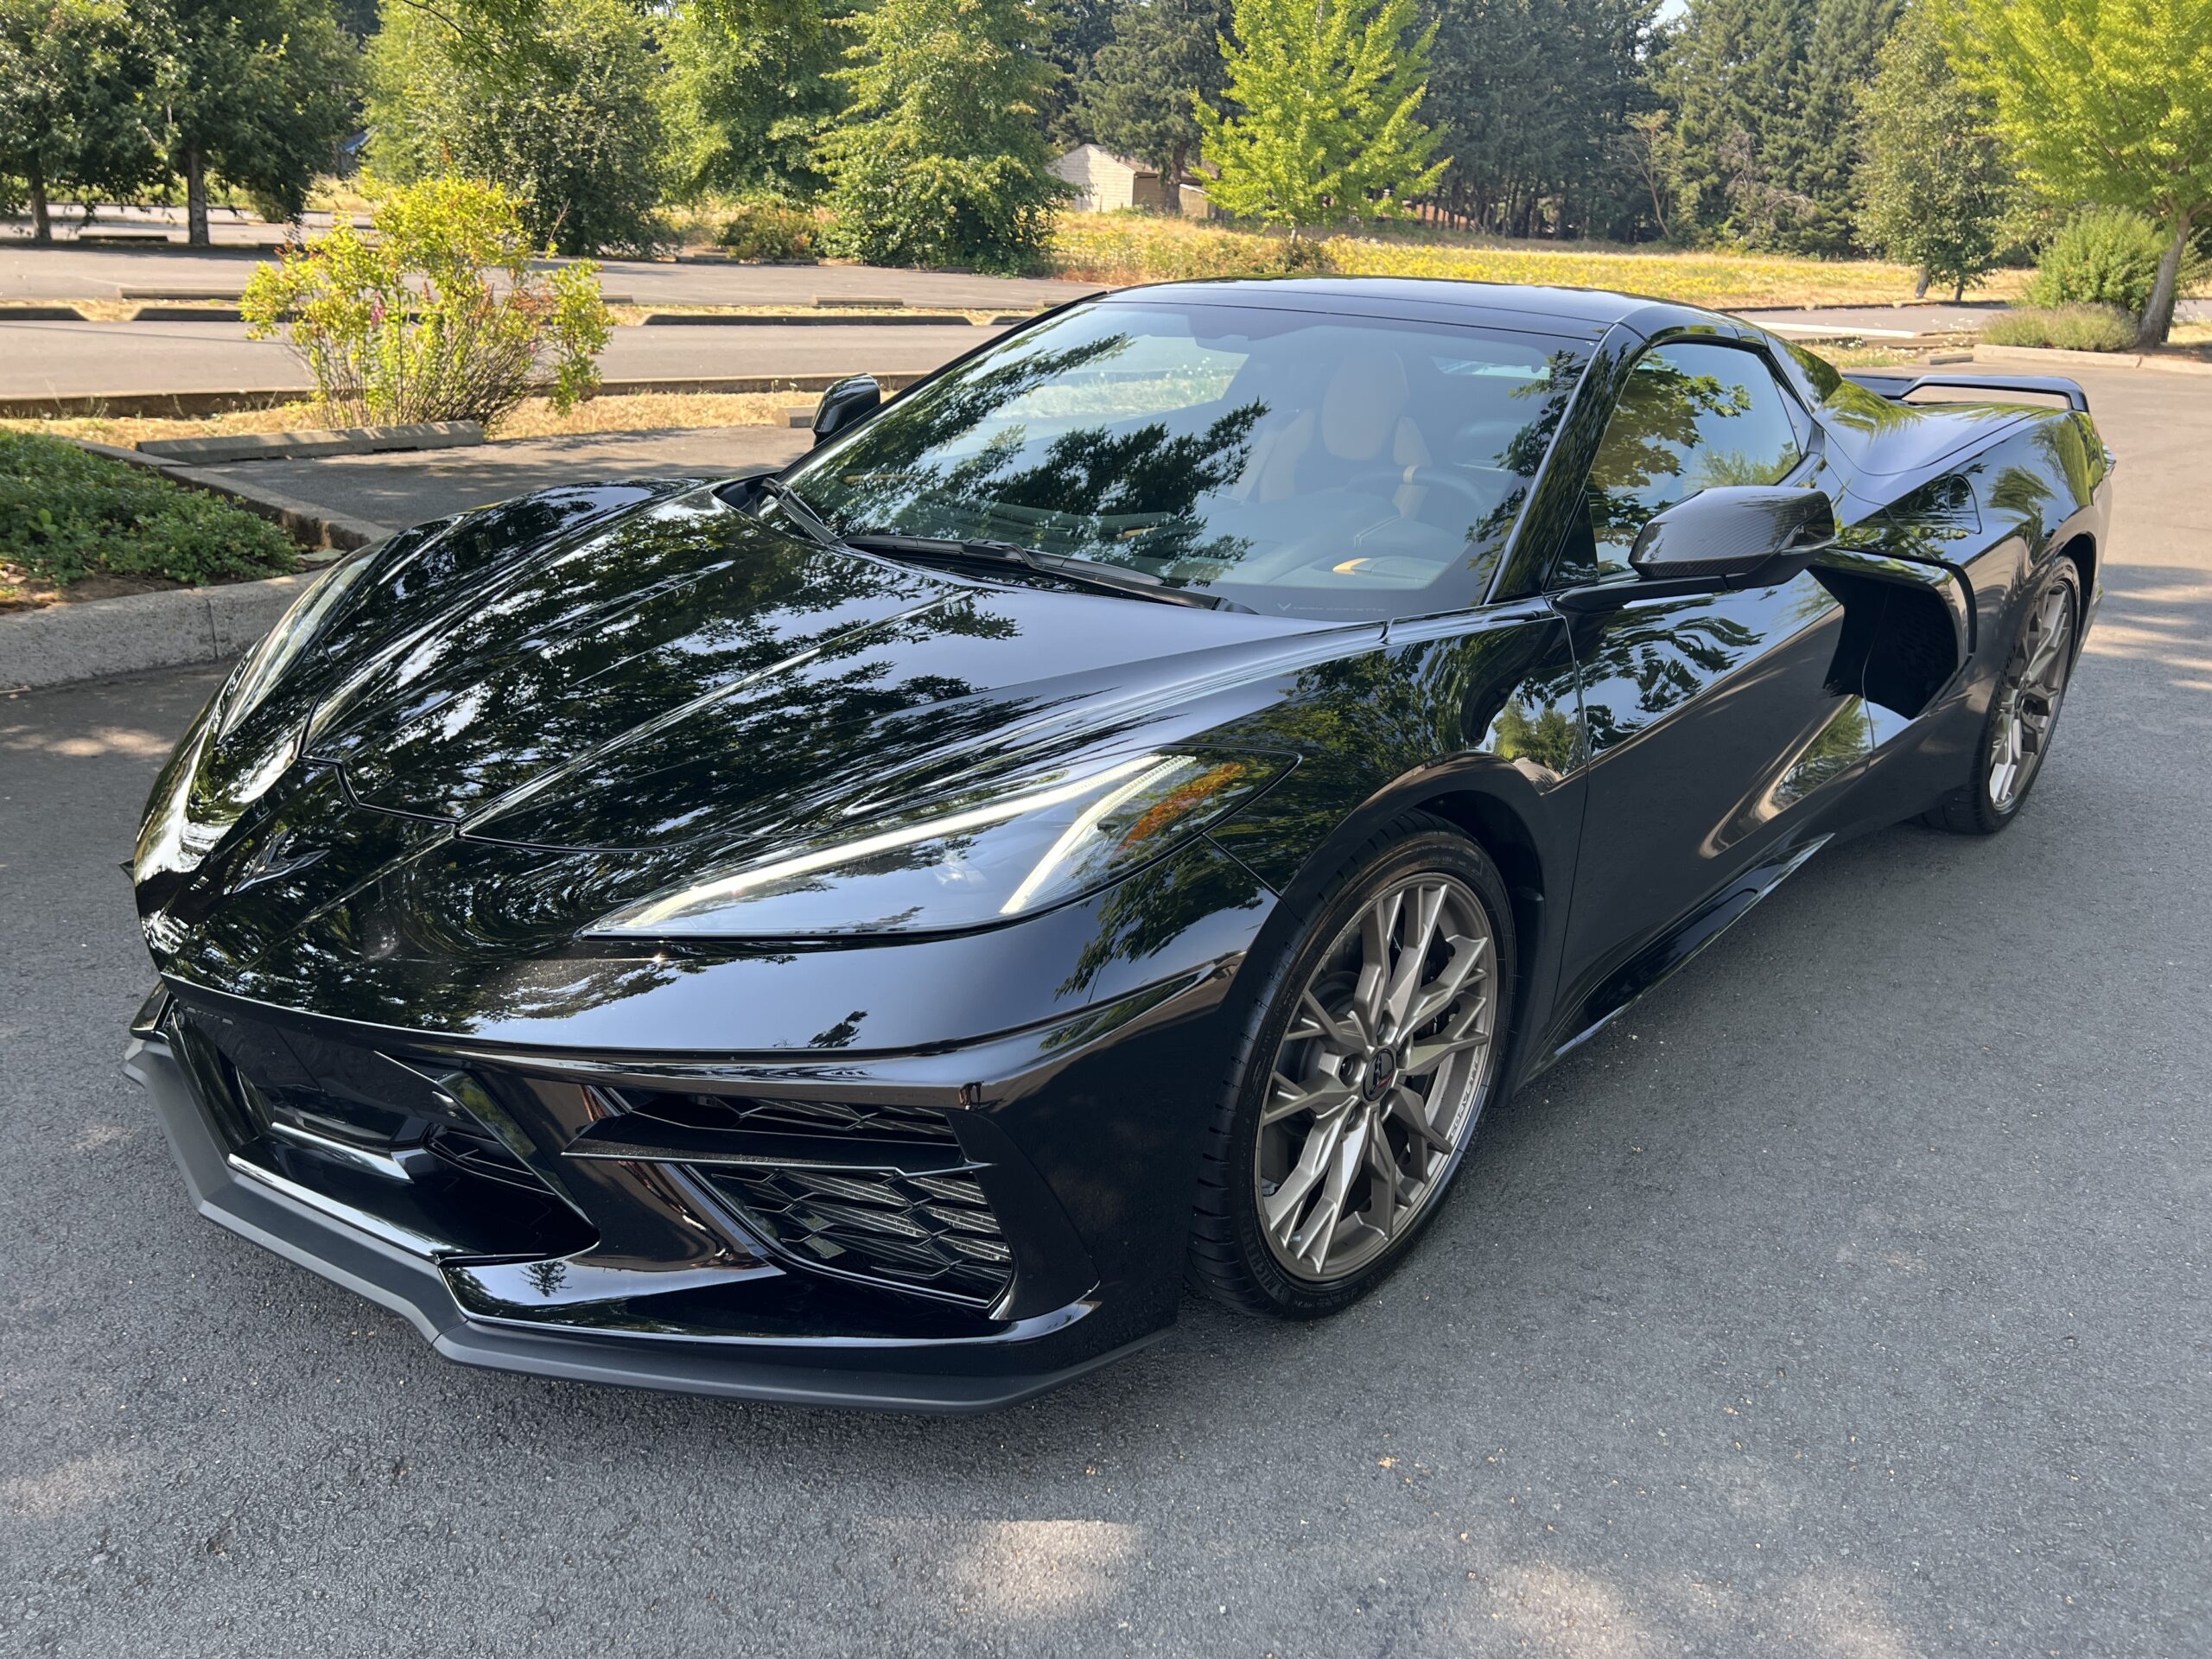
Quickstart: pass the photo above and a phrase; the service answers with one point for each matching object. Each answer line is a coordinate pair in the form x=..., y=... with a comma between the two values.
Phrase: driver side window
x=1691, y=416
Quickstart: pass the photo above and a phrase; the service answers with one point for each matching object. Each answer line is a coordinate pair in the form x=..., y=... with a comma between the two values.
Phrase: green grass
x=2070, y=328
x=67, y=514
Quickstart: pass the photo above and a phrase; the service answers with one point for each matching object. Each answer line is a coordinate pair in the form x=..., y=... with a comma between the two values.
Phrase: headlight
x=1030, y=846
x=281, y=645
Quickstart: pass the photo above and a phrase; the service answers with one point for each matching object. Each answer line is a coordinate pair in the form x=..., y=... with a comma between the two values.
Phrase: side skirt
x=1666, y=957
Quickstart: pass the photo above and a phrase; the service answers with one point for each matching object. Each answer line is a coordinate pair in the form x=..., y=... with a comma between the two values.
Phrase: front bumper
x=640, y=1278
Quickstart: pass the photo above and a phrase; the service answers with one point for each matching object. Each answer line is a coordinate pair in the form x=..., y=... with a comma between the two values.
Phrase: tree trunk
x=1958, y=293
x=41, y=220
x=195, y=197
x=2158, y=315
x=1920, y=288
x=1171, y=183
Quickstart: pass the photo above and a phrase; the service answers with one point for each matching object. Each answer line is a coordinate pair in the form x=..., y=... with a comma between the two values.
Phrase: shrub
x=2072, y=327
x=441, y=318
x=2103, y=256
x=768, y=229
x=66, y=512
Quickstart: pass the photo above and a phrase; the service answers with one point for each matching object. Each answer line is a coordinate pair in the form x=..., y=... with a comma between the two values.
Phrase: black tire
x=1229, y=1259
x=1972, y=809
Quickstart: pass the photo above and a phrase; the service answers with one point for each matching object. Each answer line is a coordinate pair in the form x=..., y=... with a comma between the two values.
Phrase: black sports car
x=1114, y=814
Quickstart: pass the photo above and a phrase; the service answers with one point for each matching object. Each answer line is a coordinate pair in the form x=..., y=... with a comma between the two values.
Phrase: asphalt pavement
x=1848, y=1299
x=80, y=358
x=69, y=271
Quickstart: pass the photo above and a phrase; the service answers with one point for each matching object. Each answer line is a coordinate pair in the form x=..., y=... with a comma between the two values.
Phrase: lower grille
x=932, y=1232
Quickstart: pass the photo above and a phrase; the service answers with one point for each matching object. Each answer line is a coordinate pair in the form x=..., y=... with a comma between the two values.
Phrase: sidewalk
x=397, y=489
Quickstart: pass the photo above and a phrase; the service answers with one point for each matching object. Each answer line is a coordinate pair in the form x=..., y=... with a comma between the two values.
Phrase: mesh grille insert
x=931, y=1232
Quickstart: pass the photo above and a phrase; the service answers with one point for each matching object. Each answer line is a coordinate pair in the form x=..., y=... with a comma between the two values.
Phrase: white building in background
x=1105, y=182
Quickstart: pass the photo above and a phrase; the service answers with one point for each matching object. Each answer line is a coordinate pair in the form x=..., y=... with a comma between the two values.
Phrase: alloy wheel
x=2030, y=697
x=1374, y=1086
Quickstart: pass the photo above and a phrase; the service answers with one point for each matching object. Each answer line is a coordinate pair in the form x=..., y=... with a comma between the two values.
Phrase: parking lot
x=1850, y=1298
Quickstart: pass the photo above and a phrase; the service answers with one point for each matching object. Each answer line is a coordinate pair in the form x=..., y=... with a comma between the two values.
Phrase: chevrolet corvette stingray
x=1110, y=817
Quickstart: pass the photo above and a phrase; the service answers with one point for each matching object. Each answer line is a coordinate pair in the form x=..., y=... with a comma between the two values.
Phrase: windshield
x=1303, y=464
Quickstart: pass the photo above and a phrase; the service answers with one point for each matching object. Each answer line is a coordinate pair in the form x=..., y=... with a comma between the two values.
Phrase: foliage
x=78, y=110
x=1536, y=100
x=1733, y=73
x=745, y=109
x=1821, y=150
x=940, y=158
x=1935, y=188
x=2103, y=256
x=1078, y=30
x=1328, y=93
x=1137, y=99
x=260, y=91
x=2103, y=101
x=1140, y=247
x=2072, y=327
x=441, y=317
x=559, y=105
x=769, y=231
x=67, y=513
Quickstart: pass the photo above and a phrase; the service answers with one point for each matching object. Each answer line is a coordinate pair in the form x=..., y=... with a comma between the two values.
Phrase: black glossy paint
x=369, y=895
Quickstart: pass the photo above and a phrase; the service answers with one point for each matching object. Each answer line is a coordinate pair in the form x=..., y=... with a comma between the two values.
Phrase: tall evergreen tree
x=1734, y=75
x=1139, y=98
x=941, y=156
x=1077, y=31
x=1327, y=97
x=1821, y=154
x=79, y=104
x=1935, y=188
x=260, y=91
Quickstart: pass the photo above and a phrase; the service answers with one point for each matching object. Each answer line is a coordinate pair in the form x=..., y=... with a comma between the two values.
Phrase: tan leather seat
x=1362, y=416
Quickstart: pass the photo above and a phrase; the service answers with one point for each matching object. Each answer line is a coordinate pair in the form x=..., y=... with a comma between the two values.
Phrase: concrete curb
x=309, y=525
x=2055, y=357
x=103, y=636
x=41, y=313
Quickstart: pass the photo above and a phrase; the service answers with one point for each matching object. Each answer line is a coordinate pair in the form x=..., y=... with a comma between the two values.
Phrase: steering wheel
x=1392, y=478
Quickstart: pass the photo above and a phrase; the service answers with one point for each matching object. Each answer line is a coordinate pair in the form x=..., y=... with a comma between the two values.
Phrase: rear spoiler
x=1899, y=387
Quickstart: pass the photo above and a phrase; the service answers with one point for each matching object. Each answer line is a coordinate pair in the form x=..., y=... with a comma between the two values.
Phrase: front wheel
x=1375, y=1047
x=2023, y=712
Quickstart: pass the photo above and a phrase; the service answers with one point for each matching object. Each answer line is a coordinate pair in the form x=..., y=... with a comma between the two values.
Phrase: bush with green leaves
x=67, y=513
x=2069, y=327
x=561, y=104
x=441, y=317
x=2103, y=256
x=769, y=231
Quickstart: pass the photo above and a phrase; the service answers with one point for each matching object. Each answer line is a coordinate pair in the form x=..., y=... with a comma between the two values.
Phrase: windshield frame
x=1546, y=331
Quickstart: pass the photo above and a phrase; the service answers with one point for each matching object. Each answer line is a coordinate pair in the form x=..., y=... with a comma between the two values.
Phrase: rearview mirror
x=1735, y=535
x=845, y=402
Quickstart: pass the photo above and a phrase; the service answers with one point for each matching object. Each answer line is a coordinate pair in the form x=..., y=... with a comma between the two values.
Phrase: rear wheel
x=1359, y=1082
x=2023, y=712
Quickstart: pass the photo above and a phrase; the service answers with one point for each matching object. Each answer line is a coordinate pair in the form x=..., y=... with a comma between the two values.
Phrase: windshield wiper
x=795, y=505
x=1069, y=567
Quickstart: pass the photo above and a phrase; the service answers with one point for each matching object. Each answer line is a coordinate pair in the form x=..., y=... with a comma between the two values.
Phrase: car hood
x=507, y=731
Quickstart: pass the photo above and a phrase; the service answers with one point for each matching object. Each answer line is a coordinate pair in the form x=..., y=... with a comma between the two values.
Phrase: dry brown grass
x=536, y=418
x=1135, y=247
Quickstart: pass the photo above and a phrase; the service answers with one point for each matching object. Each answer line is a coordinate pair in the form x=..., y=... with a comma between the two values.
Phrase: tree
x=1165, y=54
x=1536, y=100
x=559, y=105
x=1079, y=28
x=941, y=158
x=1328, y=94
x=2103, y=101
x=77, y=102
x=746, y=110
x=1733, y=73
x=261, y=90
x=1934, y=189
x=1820, y=149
